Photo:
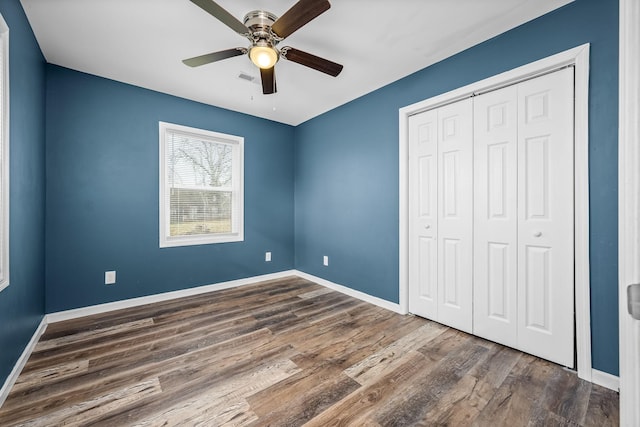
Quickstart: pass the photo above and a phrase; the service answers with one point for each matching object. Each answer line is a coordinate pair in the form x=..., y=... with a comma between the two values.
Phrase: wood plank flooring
x=288, y=353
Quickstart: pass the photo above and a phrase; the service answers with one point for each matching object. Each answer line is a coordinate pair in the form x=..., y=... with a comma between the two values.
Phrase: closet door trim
x=577, y=57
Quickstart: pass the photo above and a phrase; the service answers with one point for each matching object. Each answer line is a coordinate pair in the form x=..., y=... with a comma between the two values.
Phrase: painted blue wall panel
x=102, y=194
x=22, y=303
x=346, y=175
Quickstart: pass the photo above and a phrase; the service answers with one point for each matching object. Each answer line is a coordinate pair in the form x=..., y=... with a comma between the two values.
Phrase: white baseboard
x=352, y=292
x=598, y=377
x=604, y=379
x=17, y=368
x=134, y=302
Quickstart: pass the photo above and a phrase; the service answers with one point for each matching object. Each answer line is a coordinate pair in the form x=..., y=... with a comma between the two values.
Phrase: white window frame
x=237, y=143
x=4, y=153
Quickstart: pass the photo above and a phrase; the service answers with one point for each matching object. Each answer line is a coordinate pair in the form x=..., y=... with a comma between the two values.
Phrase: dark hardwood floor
x=288, y=353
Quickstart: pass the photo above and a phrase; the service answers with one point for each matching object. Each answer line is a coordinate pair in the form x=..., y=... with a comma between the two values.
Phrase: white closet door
x=455, y=215
x=495, y=216
x=545, y=211
x=423, y=214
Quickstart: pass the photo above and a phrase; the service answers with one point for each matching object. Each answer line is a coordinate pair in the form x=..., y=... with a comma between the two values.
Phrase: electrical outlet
x=325, y=260
x=109, y=277
x=267, y=256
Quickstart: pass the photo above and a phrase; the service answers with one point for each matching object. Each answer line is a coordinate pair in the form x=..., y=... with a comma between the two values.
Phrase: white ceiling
x=142, y=42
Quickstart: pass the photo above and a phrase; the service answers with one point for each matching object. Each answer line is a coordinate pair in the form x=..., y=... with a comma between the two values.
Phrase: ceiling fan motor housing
x=260, y=22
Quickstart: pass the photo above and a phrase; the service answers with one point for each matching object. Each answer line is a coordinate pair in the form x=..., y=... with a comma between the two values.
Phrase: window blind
x=200, y=184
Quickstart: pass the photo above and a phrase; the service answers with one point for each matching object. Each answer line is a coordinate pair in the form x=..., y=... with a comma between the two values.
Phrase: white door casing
x=578, y=57
x=545, y=217
x=629, y=209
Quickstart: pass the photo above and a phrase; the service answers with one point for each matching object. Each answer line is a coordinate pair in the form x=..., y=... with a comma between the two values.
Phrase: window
x=4, y=154
x=201, y=189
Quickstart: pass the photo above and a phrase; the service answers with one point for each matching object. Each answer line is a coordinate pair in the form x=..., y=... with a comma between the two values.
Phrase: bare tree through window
x=200, y=181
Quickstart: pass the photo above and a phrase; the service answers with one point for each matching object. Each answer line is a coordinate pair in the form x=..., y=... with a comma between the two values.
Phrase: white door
x=455, y=215
x=423, y=212
x=545, y=217
x=441, y=214
x=496, y=216
x=523, y=220
x=519, y=289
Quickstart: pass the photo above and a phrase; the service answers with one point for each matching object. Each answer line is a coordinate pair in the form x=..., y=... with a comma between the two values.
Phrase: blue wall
x=102, y=193
x=346, y=176
x=340, y=169
x=22, y=303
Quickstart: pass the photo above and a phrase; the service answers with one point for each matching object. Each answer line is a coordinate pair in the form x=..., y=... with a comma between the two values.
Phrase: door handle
x=426, y=227
x=633, y=300
x=537, y=234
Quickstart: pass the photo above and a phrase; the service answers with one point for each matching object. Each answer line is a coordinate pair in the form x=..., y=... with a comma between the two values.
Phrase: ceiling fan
x=264, y=31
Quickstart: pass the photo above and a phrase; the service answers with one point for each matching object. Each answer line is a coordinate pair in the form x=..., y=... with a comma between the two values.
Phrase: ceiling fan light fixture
x=264, y=31
x=263, y=56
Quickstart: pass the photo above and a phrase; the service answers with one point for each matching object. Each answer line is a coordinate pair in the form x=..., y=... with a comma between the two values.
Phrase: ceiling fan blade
x=268, y=80
x=300, y=14
x=312, y=61
x=197, y=61
x=222, y=15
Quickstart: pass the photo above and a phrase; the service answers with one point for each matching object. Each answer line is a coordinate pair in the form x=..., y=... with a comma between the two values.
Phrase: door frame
x=629, y=208
x=577, y=57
